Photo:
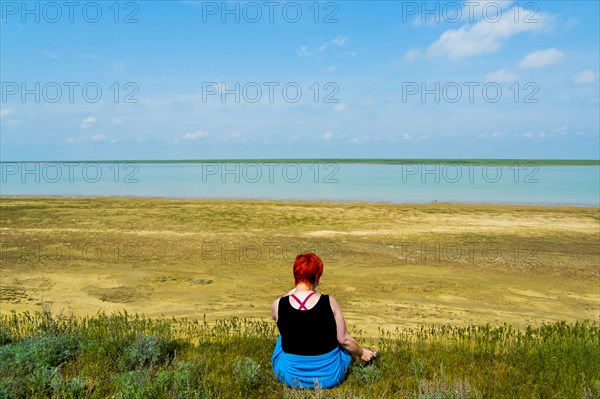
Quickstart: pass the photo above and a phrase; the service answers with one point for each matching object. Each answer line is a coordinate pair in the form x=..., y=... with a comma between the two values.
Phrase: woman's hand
x=368, y=355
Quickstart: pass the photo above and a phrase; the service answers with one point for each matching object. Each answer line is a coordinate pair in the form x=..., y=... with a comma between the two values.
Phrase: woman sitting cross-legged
x=314, y=348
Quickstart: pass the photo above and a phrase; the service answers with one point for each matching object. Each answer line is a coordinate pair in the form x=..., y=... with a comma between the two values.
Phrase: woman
x=314, y=347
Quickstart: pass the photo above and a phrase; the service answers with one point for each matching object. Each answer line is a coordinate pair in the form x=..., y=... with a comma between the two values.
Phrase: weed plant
x=130, y=356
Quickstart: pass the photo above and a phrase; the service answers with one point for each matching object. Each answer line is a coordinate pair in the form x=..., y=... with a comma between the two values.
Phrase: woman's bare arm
x=274, y=309
x=344, y=337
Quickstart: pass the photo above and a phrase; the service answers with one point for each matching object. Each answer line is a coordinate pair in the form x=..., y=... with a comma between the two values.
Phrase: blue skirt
x=324, y=371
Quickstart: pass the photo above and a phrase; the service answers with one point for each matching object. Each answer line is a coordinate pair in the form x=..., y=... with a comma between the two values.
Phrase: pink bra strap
x=303, y=304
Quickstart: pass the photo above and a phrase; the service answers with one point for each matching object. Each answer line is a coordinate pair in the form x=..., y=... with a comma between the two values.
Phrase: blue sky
x=202, y=80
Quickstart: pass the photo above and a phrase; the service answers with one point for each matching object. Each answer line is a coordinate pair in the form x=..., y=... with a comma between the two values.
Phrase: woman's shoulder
x=325, y=299
x=334, y=304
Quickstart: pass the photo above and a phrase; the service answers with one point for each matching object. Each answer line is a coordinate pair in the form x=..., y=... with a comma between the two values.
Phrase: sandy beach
x=388, y=265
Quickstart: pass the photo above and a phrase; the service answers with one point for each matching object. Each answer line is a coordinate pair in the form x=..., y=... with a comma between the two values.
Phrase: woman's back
x=307, y=332
x=313, y=348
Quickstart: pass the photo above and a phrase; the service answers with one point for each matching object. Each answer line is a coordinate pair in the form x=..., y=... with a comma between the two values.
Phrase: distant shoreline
x=265, y=200
x=374, y=161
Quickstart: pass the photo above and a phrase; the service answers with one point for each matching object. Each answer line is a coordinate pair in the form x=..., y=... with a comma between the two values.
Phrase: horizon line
x=547, y=161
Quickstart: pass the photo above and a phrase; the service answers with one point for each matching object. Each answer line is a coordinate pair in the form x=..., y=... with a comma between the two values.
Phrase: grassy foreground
x=125, y=356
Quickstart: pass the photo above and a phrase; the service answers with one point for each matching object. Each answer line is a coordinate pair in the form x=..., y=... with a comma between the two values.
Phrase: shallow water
x=521, y=183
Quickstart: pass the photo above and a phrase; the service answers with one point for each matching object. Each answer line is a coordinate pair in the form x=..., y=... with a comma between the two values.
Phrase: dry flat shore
x=388, y=265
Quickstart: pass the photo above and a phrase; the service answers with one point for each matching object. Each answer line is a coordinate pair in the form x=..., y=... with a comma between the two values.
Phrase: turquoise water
x=524, y=183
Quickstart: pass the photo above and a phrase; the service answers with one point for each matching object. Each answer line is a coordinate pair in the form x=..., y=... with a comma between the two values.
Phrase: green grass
x=130, y=356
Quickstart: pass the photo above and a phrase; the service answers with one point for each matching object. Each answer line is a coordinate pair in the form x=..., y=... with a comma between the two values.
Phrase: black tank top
x=307, y=332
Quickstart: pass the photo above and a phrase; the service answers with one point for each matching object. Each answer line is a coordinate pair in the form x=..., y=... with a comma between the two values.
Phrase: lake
x=520, y=183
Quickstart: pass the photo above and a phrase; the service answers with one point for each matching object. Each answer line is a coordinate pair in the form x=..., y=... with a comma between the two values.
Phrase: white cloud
x=51, y=55
x=501, y=76
x=562, y=130
x=532, y=135
x=198, y=134
x=6, y=111
x=331, y=69
x=117, y=121
x=583, y=77
x=570, y=23
x=328, y=135
x=406, y=136
x=118, y=66
x=303, y=51
x=333, y=46
x=98, y=137
x=494, y=135
x=340, y=107
x=541, y=58
x=358, y=140
x=87, y=122
x=340, y=41
x=483, y=37
x=528, y=135
x=412, y=54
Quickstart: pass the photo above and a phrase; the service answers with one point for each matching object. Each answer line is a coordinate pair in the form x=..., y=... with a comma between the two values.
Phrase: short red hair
x=308, y=268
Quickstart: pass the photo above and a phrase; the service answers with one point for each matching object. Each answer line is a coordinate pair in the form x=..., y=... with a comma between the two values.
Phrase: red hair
x=308, y=268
